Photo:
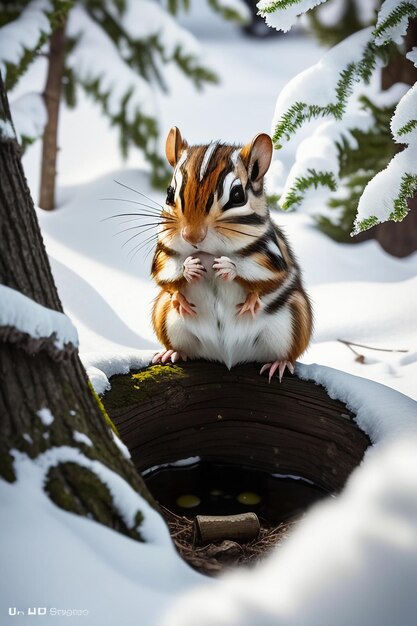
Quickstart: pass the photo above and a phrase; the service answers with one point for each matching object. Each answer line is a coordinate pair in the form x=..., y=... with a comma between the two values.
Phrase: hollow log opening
x=212, y=441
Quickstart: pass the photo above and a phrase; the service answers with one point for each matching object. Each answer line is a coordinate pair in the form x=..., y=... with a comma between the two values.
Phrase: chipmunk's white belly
x=217, y=332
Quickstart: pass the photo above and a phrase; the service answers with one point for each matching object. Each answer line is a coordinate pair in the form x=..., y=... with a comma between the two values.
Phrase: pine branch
x=23, y=38
x=235, y=12
x=313, y=179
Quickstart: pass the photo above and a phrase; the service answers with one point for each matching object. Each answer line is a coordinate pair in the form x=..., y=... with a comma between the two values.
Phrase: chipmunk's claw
x=251, y=305
x=168, y=355
x=181, y=304
x=277, y=365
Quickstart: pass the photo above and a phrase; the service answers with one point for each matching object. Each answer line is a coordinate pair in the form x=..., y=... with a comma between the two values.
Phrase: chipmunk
x=231, y=288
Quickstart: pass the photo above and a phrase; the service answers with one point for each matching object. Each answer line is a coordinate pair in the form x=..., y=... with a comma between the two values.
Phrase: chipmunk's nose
x=194, y=235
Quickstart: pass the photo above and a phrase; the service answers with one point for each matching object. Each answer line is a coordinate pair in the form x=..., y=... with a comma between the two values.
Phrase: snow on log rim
x=35, y=327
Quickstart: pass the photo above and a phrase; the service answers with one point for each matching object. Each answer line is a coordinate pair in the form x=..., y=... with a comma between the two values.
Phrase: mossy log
x=165, y=413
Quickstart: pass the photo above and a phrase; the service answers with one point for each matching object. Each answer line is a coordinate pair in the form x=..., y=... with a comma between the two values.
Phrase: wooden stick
x=208, y=528
x=348, y=344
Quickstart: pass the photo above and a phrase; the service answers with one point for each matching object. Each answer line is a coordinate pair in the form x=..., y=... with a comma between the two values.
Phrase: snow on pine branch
x=144, y=19
x=95, y=61
x=146, y=23
x=323, y=89
x=317, y=158
x=124, y=95
x=29, y=116
x=22, y=38
x=393, y=20
x=283, y=14
x=385, y=196
x=21, y=314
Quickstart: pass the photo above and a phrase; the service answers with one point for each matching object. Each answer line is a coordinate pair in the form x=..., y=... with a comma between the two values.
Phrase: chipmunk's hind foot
x=277, y=365
x=166, y=356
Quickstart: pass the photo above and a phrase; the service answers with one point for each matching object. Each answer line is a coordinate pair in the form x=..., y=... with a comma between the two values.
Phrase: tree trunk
x=42, y=379
x=400, y=238
x=200, y=409
x=52, y=97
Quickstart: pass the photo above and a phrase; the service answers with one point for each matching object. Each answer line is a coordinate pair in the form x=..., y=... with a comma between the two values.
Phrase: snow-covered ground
x=359, y=293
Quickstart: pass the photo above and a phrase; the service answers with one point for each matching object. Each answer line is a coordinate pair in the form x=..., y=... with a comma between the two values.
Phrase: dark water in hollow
x=205, y=488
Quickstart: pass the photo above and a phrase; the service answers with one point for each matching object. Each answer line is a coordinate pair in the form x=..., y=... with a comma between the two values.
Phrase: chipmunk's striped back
x=219, y=250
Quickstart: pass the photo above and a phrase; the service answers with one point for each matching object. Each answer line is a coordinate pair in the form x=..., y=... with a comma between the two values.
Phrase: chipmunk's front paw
x=181, y=304
x=193, y=269
x=224, y=268
x=251, y=305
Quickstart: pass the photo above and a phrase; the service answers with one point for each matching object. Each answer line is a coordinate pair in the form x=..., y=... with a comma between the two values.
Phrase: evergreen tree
x=370, y=178
x=116, y=51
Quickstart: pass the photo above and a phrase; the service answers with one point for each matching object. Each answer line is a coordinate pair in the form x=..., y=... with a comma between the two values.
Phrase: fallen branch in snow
x=360, y=358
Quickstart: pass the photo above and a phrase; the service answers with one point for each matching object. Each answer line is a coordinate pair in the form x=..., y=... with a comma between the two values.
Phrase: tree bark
x=168, y=413
x=30, y=382
x=52, y=97
x=400, y=238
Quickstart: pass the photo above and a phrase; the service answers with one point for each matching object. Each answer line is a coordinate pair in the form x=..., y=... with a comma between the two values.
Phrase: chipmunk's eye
x=170, y=195
x=237, y=195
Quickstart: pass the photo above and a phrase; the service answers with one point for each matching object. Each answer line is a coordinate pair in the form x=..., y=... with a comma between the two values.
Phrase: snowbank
x=60, y=561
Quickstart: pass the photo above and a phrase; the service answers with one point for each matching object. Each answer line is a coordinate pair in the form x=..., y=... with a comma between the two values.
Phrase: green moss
x=129, y=389
x=79, y=490
x=103, y=410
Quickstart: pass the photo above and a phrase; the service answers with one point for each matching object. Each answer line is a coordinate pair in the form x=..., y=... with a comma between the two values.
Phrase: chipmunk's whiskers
x=138, y=192
x=235, y=230
x=151, y=209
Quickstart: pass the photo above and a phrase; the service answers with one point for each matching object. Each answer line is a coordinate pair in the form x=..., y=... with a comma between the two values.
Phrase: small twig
x=349, y=345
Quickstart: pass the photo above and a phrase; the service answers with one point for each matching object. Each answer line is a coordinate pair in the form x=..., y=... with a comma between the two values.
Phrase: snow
x=405, y=113
x=143, y=19
x=396, y=30
x=382, y=191
x=412, y=55
x=62, y=561
x=27, y=316
x=6, y=129
x=119, y=443
x=102, y=365
x=46, y=416
x=283, y=18
x=29, y=115
x=180, y=463
x=316, y=85
x=23, y=33
x=115, y=78
x=320, y=150
x=82, y=438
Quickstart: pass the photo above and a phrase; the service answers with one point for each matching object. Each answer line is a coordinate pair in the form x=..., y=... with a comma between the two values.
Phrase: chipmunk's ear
x=257, y=156
x=174, y=146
